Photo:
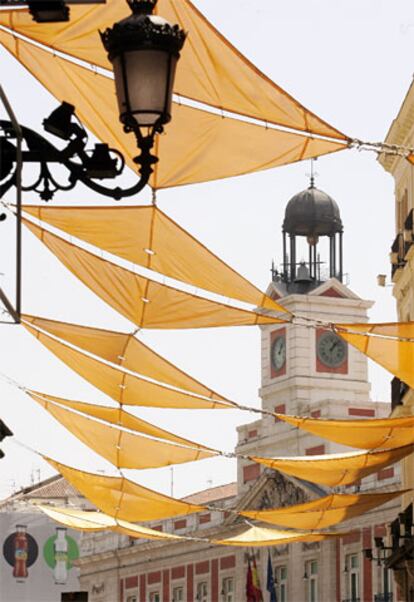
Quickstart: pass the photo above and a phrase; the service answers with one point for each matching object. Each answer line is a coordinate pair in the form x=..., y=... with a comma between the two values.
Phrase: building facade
x=401, y=133
x=306, y=370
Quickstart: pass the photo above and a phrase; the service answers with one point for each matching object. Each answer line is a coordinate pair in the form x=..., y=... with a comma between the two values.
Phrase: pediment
x=275, y=490
x=334, y=288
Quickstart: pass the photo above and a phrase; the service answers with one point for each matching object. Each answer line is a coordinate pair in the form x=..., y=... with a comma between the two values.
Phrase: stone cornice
x=400, y=131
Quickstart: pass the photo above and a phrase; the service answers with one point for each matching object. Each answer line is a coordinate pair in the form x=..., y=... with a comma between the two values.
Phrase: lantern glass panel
x=144, y=84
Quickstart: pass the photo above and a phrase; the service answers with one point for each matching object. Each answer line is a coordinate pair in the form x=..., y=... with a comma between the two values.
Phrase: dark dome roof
x=312, y=212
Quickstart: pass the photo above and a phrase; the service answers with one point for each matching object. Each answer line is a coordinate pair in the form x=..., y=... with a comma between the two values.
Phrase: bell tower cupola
x=310, y=216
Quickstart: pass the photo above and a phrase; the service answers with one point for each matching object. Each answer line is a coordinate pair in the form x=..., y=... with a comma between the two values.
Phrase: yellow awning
x=82, y=520
x=222, y=147
x=124, y=350
x=119, y=417
x=211, y=70
x=396, y=356
x=259, y=537
x=122, y=448
x=403, y=330
x=336, y=469
x=121, y=498
x=147, y=303
x=148, y=237
x=323, y=512
x=367, y=433
x=125, y=388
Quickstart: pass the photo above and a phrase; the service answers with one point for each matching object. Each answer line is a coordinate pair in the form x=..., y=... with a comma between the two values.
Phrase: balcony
x=398, y=390
x=402, y=243
x=383, y=597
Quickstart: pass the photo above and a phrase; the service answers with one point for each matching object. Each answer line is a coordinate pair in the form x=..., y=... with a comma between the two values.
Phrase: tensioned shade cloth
x=211, y=70
x=121, y=498
x=260, y=536
x=323, y=512
x=336, y=469
x=122, y=448
x=98, y=521
x=145, y=302
x=367, y=433
x=198, y=146
x=119, y=417
x=148, y=237
x=392, y=354
x=403, y=330
x=126, y=389
x=124, y=350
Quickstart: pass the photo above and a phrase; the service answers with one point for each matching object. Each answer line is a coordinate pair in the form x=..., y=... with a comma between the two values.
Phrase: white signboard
x=37, y=555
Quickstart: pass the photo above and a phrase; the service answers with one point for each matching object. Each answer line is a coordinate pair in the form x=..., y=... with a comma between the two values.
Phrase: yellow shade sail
x=82, y=520
x=323, y=512
x=210, y=70
x=124, y=350
x=117, y=416
x=148, y=237
x=126, y=389
x=121, y=498
x=403, y=330
x=367, y=433
x=221, y=148
x=392, y=354
x=147, y=303
x=259, y=537
x=122, y=448
x=336, y=469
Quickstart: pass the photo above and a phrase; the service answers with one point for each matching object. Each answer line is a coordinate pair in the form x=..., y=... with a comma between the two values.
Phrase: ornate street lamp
x=144, y=50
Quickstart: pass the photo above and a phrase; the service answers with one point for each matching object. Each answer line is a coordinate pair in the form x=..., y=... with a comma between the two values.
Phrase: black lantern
x=144, y=50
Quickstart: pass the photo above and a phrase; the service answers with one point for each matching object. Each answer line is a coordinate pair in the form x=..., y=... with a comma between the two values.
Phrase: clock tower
x=306, y=369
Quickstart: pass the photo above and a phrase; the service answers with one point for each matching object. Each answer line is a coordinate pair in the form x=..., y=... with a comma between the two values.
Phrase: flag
x=253, y=589
x=270, y=586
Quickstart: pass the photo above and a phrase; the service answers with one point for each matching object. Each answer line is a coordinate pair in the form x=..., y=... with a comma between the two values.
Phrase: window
x=352, y=577
x=202, y=592
x=154, y=597
x=178, y=594
x=132, y=599
x=281, y=576
x=227, y=590
x=385, y=581
x=311, y=578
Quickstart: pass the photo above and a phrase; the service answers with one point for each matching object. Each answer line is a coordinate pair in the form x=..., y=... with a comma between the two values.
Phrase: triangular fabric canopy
x=126, y=389
x=122, y=448
x=336, y=469
x=121, y=498
x=323, y=512
x=98, y=521
x=402, y=330
x=145, y=302
x=211, y=70
x=367, y=433
x=156, y=305
x=221, y=147
x=392, y=354
x=148, y=237
x=260, y=537
x=119, y=417
x=124, y=350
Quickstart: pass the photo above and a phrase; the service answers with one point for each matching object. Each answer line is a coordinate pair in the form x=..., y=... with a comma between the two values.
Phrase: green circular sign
x=49, y=552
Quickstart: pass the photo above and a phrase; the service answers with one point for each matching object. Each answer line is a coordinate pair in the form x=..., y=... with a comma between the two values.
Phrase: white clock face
x=278, y=353
x=331, y=350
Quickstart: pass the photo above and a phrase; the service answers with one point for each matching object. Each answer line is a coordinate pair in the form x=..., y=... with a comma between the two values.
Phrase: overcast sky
x=348, y=61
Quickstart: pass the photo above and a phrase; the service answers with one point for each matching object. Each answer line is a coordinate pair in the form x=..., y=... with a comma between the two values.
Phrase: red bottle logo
x=21, y=547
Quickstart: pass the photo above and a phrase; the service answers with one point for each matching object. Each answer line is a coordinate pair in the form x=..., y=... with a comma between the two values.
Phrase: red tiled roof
x=221, y=492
